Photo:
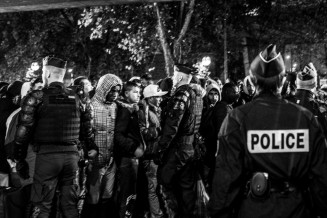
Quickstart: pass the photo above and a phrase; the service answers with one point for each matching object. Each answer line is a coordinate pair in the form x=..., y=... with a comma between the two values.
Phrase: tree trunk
x=163, y=40
x=177, y=43
x=89, y=66
x=245, y=56
x=225, y=53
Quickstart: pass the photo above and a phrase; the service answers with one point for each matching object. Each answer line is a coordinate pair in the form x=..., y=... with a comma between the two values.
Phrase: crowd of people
x=255, y=148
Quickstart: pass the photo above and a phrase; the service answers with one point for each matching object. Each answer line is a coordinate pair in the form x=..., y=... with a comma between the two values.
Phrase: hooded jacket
x=206, y=101
x=104, y=118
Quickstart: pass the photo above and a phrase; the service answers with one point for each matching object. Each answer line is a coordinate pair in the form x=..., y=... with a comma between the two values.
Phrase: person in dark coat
x=8, y=104
x=210, y=127
x=128, y=148
x=272, y=157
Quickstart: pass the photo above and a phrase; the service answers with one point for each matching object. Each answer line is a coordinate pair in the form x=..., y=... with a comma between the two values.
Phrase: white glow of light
x=295, y=64
x=206, y=61
x=35, y=66
x=70, y=70
x=288, y=56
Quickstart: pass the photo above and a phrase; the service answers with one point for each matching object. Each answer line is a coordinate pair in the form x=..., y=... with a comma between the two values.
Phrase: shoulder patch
x=278, y=141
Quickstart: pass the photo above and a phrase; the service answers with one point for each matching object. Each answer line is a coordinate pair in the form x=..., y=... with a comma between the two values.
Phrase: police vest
x=58, y=118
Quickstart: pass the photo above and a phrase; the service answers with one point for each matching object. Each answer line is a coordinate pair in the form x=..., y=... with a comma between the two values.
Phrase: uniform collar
x=57, y=84
x=267, y=94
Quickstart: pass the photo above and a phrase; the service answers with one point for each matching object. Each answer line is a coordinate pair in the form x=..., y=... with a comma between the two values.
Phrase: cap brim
x=161, y=93
x=158, y=94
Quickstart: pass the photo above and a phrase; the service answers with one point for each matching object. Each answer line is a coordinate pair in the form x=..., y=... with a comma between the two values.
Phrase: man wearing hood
x=213, y=95
x=101, y=172
x=271, y=152
x=181, y=120
x=248, y=90
x=211, y=126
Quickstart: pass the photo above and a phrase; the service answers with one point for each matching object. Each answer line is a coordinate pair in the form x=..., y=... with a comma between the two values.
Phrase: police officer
x=51, y=119
x=181, y=119
x=271, y=152
x=306, y=82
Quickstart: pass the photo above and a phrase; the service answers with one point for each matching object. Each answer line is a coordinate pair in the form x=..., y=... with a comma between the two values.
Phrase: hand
x=23, y=169
x=92, y=153
x=12, y=165
x=81, y=153
x=139, y=152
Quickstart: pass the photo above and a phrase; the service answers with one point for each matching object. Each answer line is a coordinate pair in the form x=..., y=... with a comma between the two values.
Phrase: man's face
x=144, y=82
x=133, y=96
x=67, y=82
x=113, y=93
x=250, y=88
x=87, y=86
x=220, y=84
x=176, y=78
x=213, y=96
x=156, y=100
x=236, y=93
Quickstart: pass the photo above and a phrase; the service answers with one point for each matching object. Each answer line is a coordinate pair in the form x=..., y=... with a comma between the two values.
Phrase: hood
x=213, y=86
x=106, y=82
x=198, y=89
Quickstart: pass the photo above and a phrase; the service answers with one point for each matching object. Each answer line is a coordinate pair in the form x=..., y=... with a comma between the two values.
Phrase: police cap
x=268, y=63
x=55, y=62
x=185, y=69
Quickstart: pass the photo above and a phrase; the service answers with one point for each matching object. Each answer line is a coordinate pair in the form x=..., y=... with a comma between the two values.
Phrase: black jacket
x=127, y=130
x=277, y=137
x=6, y=108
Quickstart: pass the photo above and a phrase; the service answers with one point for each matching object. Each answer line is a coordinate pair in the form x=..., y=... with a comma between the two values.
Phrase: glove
x=20, y=152
x=22, y=169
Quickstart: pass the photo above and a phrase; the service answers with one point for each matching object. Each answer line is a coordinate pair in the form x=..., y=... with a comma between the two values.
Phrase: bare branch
x=165, y=46
x=177, y=44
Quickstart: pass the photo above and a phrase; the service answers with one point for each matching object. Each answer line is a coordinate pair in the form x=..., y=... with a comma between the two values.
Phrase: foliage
x=122, y=39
